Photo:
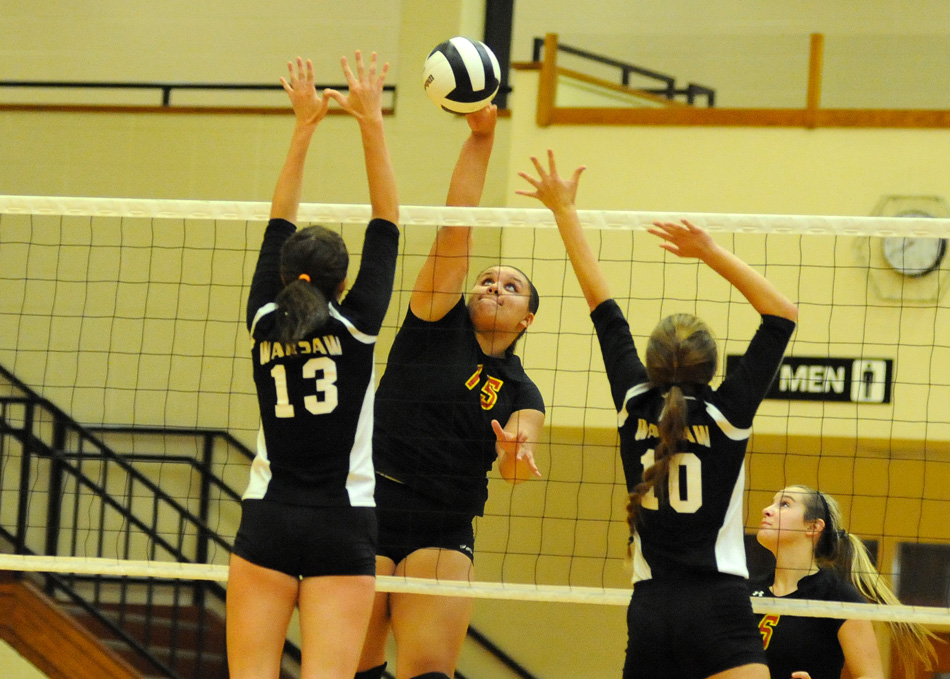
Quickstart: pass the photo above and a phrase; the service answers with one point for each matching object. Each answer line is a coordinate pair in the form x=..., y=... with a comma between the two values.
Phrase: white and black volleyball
x=461, y=75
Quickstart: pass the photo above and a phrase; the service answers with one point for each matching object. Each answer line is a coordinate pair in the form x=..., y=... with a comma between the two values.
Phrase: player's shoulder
x=829, y=586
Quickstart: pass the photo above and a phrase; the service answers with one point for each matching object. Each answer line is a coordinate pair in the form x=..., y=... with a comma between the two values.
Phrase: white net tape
x=498, y=217
x=477, y=590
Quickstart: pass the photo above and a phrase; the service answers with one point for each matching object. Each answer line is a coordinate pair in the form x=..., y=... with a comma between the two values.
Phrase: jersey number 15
x=323, y=371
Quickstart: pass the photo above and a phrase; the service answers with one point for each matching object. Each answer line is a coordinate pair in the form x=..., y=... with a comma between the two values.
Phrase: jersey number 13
x=323, y=371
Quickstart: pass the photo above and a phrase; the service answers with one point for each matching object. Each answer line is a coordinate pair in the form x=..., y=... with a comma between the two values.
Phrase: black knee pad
x=371, y=673
x=432, y=675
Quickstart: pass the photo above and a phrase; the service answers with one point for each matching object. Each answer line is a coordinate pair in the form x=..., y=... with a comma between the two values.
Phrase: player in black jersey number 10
x=682, y=444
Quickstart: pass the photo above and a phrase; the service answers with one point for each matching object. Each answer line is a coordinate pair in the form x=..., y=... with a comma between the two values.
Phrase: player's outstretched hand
x=482, y=122
x=364, y=97
x=555, y=192
x=308, y=106
x=684, y=239
x=515, y=446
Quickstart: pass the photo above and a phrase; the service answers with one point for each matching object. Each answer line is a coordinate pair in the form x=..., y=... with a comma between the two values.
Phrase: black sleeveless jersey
x=435, y=404
x=699, y=528
x=796, y=644
x=316, y=396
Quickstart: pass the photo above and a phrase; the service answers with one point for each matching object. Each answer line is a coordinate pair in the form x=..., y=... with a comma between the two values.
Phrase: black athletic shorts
x=409, y=521
x=307, y=541
x=690, y=628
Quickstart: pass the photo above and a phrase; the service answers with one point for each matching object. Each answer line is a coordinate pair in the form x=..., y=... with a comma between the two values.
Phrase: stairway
x=189, y=640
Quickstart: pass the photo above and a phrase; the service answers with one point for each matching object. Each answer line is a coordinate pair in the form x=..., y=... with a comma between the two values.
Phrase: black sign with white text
x=854, y=380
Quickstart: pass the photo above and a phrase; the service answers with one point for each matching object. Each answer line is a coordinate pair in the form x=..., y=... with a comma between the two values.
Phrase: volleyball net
x=128, y=410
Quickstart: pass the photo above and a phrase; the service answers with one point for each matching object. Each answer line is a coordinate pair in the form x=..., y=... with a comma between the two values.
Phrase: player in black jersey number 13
x=690, y=616
x=308, y=533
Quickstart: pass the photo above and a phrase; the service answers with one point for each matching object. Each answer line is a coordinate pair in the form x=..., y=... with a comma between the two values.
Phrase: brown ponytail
x=313, y=263
x=681, y=357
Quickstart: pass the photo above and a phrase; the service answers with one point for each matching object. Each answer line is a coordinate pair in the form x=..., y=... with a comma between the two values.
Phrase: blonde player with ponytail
x=683, y=445
x=816, y=558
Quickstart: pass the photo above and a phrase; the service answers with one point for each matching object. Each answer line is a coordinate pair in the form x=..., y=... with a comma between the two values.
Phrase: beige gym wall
x=792, y=171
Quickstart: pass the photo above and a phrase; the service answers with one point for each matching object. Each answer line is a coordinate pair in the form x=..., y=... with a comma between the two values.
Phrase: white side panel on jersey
x=260, y=471
x=622, y=414
x=727, y=428
x=354, y=331
x=641, y=569
x=730, y=545
x=472, y=61
x=361, y=480
x=263, y=311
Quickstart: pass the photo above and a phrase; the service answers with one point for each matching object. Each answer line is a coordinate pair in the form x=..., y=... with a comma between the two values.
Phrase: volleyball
x=461, y=75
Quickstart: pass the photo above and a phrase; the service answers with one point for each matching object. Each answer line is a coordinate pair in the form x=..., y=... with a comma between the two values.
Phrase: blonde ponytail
x=846, y=554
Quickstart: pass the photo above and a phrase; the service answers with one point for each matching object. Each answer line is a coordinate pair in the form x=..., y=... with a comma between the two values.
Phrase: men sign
x=812, y=378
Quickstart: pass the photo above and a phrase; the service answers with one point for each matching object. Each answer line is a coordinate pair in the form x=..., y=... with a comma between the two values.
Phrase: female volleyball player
x=307, y=536
x=454, y=400
x=815, y=558
x=690, y=614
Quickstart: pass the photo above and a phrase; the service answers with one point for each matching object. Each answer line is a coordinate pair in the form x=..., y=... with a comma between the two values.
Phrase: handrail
x=669, y=90
x=811, y=116
x=64, y=459
x=63, y=447
x=104, y=452
x=166, y=88
x=222, y=434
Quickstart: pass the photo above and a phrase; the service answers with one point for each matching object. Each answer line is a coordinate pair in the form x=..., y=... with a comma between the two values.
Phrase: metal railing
x=165, y=89
x=669, y=89
x=65, y=493
x=74, y=495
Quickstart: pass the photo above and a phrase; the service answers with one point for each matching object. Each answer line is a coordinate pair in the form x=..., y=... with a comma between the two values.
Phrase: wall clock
x=913, y=256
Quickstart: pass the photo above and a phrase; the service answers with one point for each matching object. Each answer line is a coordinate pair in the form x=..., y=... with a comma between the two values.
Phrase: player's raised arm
x=364, y=102
x=558, y=194
x=442, y=278
x=688, y=240
x=309, y=109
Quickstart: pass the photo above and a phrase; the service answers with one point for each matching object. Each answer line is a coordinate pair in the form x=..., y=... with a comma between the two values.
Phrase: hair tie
x=304, y=277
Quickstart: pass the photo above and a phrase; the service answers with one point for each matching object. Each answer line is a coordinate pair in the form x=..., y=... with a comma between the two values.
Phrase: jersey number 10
x=325, y=385
x=685, y=500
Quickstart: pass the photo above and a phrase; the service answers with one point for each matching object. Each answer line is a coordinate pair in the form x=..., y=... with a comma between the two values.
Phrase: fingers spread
x=537, y=165
x=347, y=73
x=527, y=177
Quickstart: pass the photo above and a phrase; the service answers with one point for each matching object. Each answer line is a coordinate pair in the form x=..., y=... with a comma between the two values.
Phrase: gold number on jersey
x=489, y=391
x=684, y=500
